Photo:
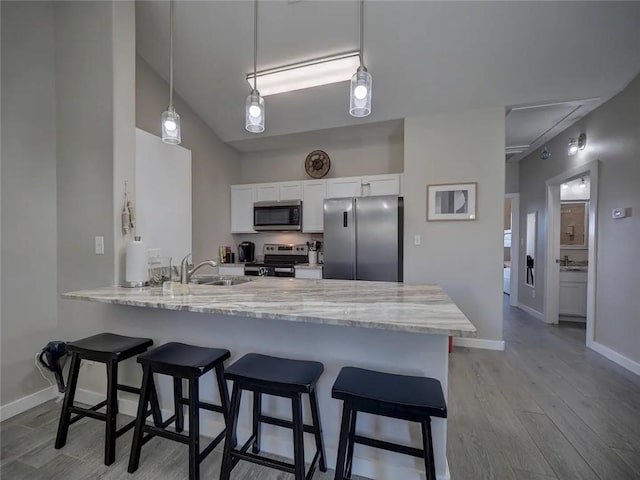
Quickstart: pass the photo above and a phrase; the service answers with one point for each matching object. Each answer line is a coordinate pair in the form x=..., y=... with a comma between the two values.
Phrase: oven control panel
x=285, y=249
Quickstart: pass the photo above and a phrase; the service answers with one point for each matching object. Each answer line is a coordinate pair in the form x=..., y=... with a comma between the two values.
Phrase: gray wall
x=29, y=263
x=348, y=158
x=613, y=137
x=464, y=257
x=512, y=177
x=214, y=165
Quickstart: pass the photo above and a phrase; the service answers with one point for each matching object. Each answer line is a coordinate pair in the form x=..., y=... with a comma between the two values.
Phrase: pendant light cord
x=255, y=44
x=362, y=33
x=171, y=54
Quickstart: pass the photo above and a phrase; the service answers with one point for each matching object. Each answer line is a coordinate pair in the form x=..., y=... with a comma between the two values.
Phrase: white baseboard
x=615, y=357
x=478, y=343
x=26, y=403
x=531, y=311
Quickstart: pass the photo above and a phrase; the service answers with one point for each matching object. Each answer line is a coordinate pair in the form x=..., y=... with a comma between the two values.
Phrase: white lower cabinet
x=313, y=273
x=231, y=269
x=573, y=293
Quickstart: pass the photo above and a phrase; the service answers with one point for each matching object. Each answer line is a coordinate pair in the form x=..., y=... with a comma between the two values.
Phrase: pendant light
x=360, y=97
x=170, y=118
x=254, y=108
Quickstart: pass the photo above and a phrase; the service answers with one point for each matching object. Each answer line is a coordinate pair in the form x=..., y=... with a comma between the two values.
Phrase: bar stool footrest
x=126, y=428
x=279, y=422
x=393, y=447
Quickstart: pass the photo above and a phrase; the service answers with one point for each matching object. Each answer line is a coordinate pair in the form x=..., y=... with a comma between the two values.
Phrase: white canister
x=136, y=272
x=313, y=257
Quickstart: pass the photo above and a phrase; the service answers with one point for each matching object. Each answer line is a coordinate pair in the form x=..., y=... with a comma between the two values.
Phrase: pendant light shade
x=360, y=104
x=254, y=106
x=360, y=93
x=171, y=126
x=254, y=114
x=171, y=132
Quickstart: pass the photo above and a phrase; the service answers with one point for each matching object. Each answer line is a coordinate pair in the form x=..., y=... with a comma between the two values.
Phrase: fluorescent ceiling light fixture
x=307, y=74
x=516, y=149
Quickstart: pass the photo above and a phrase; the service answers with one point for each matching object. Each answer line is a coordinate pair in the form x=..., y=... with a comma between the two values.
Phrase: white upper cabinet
x=381, y=185
x=267, y=192
x=290, y=191
x=344, y=187
x=311, y=192
x=313, y=195
x=242, y=198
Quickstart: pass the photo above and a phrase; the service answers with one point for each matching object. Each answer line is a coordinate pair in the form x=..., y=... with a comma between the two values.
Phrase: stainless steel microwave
x=274, y=216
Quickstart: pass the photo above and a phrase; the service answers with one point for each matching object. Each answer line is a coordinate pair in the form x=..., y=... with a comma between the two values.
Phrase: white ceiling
x=425, y=57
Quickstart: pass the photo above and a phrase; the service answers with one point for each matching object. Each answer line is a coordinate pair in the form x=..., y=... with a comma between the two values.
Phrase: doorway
x=571, y=242
x=511, y=247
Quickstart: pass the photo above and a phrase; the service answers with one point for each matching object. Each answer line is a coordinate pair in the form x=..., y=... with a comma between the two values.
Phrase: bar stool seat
x=275, y=372
x=282, y=377
x=180, y=360
x=110, y=349
x=404, y=397
x=109, y=346
x=184, y=360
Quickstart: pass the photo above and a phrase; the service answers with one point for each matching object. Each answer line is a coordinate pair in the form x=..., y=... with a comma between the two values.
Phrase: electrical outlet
x=100, y=245
x=533, y=293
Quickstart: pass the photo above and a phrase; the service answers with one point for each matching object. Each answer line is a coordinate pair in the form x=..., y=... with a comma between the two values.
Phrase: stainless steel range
x=279, y=261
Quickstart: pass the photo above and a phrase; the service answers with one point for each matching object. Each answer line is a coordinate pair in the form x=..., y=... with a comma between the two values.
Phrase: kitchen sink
x=219, y=281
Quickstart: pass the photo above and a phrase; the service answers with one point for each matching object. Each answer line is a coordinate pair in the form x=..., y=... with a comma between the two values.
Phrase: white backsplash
x=260, y=239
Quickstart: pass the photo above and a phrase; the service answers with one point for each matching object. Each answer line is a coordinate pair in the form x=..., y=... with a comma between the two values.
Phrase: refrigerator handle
x=344, y=219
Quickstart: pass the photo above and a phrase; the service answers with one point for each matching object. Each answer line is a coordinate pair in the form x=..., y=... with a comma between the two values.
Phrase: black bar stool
x=110, y=349
x=280, y=377
x=179, y=361
x=415, y=399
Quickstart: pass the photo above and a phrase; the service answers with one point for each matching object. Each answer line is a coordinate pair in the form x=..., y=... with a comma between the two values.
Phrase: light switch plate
x=417, y=240
x=99, y=245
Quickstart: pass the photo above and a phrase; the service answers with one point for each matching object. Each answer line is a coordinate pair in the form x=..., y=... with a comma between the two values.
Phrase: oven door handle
x=284, y=270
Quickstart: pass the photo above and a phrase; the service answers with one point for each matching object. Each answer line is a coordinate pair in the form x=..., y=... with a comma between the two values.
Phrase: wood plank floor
x=544, y=409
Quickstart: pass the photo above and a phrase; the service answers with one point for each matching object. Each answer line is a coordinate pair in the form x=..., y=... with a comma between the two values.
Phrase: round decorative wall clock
x=317, y=164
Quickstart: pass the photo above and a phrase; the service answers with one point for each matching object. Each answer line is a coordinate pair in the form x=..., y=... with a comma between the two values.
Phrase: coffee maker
x=246, y=252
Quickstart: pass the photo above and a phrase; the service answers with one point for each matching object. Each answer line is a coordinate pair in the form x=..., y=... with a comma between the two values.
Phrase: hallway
x=546, y=408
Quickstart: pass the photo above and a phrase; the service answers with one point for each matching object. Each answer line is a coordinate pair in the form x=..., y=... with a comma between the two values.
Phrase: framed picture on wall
x=451, y=201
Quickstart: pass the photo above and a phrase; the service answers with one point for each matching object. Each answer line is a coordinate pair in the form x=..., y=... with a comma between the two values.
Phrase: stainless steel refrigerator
x=363, y=238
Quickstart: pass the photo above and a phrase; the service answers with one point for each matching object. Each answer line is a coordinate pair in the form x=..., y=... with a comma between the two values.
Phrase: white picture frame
x=452, y=201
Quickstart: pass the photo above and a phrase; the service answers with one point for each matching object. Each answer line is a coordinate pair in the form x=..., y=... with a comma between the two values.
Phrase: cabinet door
x=344, y=187
x=381, y=185
x=314, y=273
x=290, y=190
x=314, y=193
x=242, y=198
x=231, y=270
x=573, y=299
x=267, y=192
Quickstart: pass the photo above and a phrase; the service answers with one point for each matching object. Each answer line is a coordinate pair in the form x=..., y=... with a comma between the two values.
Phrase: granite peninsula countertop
x=383, y=305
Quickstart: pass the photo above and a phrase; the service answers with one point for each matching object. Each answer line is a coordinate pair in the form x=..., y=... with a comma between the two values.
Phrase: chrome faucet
x=185, y=273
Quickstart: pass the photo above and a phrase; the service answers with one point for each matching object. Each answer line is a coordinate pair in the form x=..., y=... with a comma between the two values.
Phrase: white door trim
x=515, y=247
x=552, y=273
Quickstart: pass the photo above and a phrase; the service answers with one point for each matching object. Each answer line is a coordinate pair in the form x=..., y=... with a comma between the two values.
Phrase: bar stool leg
x=177, y=404
x=298, y=438
x=313, y=400
x=229, y=443
x=155, y=404
x=352, y=434
x=430, y=467
x=342, y=444
x=194, y=429
x=65, y=414
x=257, y=427
x=136, y=443
x=224, y=398
x=112, y=408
